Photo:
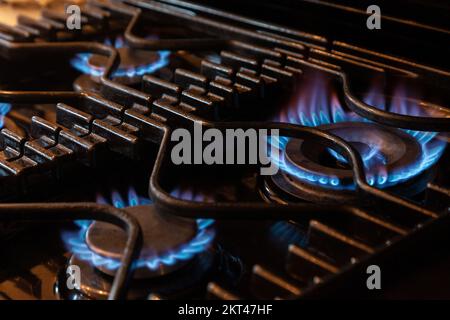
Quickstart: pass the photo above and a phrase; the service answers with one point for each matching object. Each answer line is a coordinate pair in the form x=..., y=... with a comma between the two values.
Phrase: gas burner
x=161, y=235
x=392, y=157
x=314, y=172
x=169, y=243
x=133, y=64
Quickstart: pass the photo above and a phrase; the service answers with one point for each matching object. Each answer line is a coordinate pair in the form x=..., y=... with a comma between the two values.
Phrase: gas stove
x=94, y=206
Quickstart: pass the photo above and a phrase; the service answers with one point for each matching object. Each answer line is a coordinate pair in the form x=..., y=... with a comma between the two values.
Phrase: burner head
x=161, y=236
x=382, y=149
x=134, y=63
x=400, y=160
x=168, y=242
x=315, y=172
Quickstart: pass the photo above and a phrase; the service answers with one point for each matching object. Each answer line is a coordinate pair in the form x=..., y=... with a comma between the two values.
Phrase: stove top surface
x=212, y=155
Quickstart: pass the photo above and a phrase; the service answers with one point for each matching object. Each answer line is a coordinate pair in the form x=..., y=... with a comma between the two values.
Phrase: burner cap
x=315, y=172
x=161, y=235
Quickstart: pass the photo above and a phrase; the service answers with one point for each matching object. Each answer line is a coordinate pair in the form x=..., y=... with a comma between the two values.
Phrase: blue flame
x=191, y=195
x=318, y=107
x=76, y=242
x=4, y=109
x=81, y=63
